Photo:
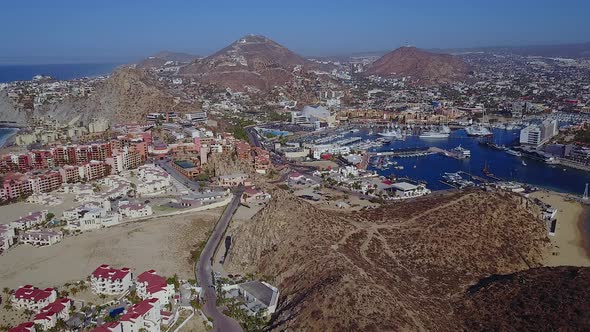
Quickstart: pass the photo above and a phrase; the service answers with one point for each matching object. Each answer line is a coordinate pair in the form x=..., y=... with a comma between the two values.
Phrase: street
x=204, y=270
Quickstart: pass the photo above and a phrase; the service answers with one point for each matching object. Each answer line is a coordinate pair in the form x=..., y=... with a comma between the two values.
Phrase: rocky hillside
x=9, y=112
x=422, y=67
x=542, y=299
x=126, y=96
x=399, y=267
x=251, y=61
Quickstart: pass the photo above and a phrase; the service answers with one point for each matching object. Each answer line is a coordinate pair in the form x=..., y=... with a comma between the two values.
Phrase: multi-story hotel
x=110, y=281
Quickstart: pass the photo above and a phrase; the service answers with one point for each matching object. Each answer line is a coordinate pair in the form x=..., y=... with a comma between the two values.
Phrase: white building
x=109, y=281
x=150, y=285
x=30, y=220
x=135, y=210
x=320, y=149
x=50, y=314
x=41, y=237
x=32, y=298
x=256, y=296
x=7, y=236
x=404, y=190
x=143, y=316
x=90, y=216
x=539, y=134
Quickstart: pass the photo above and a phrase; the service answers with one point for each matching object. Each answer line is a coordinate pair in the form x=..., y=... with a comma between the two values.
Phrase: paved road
x=165, y=164
x=221, y=323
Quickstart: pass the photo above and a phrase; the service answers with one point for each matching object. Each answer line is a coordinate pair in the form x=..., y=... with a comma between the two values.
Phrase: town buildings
x=41, y=237
x=539, y=134
x=151, y=285
x=110, y=281
x=32, y=298
x=50, y=314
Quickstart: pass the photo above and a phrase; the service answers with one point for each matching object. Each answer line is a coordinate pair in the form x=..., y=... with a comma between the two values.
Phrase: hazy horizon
x=79, y=32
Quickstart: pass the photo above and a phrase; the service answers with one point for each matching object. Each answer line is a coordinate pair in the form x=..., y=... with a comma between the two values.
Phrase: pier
x=404, y=153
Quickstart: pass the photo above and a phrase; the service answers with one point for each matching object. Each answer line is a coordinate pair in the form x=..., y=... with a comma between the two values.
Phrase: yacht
x=462, y=152
x=478, y=131
x=523, y=163
x=391, y=133
x=442, y=132
x=514, y=152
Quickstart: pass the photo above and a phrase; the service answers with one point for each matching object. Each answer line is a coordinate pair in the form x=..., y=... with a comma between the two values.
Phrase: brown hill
x=399, y=267
x=543, y=299
x=423, y=67
x=127, y=95
x=251, y=61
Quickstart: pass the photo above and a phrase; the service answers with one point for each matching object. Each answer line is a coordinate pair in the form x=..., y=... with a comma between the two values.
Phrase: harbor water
x=431, y=168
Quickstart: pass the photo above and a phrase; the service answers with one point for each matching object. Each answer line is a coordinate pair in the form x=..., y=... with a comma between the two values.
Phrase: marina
x=429, y=160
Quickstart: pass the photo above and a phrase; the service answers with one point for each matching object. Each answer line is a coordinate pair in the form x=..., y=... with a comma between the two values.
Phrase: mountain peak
x=421, y=66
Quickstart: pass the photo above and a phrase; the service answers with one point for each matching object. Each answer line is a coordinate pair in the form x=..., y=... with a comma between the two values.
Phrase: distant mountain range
x=574, y=51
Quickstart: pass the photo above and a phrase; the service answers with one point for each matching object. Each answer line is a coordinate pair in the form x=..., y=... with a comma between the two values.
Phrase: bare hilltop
x=408, y=266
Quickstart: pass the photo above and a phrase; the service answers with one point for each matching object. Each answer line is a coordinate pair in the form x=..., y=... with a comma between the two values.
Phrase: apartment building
x=143, y=316
x=7, y=236
x=150, y=285
x=46, y=182
x=32, y=298
x=110, y=281
x=30, y=220
x=41, y=237
x=135, y=210
x=51, y=313
x=15, y=185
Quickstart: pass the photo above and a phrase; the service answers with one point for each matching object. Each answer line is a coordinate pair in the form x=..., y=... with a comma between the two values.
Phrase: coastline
x=569, y=245
x=8, y=139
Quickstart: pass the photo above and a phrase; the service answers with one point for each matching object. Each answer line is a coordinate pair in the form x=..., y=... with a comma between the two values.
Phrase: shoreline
x=570, y=245
x=9, y=139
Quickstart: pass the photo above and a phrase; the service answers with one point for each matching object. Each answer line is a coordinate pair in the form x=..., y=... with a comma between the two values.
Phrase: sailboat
x=523, y=163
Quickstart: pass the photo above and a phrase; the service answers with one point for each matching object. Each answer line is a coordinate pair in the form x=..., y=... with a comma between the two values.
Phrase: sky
x=62, y=31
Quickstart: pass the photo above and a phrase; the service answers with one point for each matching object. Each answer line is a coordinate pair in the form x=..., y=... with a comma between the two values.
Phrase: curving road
x=221, y=323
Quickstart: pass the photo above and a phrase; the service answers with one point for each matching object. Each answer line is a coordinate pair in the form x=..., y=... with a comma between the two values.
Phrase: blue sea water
x=431, y=168
x=5, y=133
x=9, y=73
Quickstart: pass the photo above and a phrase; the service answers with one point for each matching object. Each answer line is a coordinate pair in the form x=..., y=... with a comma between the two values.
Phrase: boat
x=486, y=170
x=433, y=134
x=441, y=132
x=478, y=131
x=399, y=167
x=462, y=152
x=513, y=153
x=523, y=163
x=391, y=133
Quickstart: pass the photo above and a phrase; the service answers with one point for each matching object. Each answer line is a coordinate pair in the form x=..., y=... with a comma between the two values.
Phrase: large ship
x=442, y=132
x=391, y=133
x=478, y=131
x=513, y=152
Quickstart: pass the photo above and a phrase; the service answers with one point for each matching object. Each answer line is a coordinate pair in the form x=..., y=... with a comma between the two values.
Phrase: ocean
x=431, y=168
x=5, y=133
x=9, y=73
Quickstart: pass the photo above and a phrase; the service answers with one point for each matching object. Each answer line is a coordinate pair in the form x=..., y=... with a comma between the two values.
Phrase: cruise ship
x=443, y=132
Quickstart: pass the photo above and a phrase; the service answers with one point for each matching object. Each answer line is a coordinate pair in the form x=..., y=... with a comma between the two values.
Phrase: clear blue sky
x=117, y=30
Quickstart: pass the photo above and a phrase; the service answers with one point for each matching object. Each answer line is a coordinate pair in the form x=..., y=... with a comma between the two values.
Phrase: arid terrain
x=163, y=244
x=406, y=266
x=422, y=67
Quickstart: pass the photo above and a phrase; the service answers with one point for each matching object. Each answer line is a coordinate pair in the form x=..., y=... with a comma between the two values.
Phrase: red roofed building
x=32, y=298
x=243, y=150
x=24, y=327
x=151, y=285
x=110, y=281
x=50, y=314
x=143, y=315
x=109, y=327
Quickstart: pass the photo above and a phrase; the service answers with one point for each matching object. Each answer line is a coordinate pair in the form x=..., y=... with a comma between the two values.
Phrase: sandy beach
x=162, y=243
x=567, y=246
